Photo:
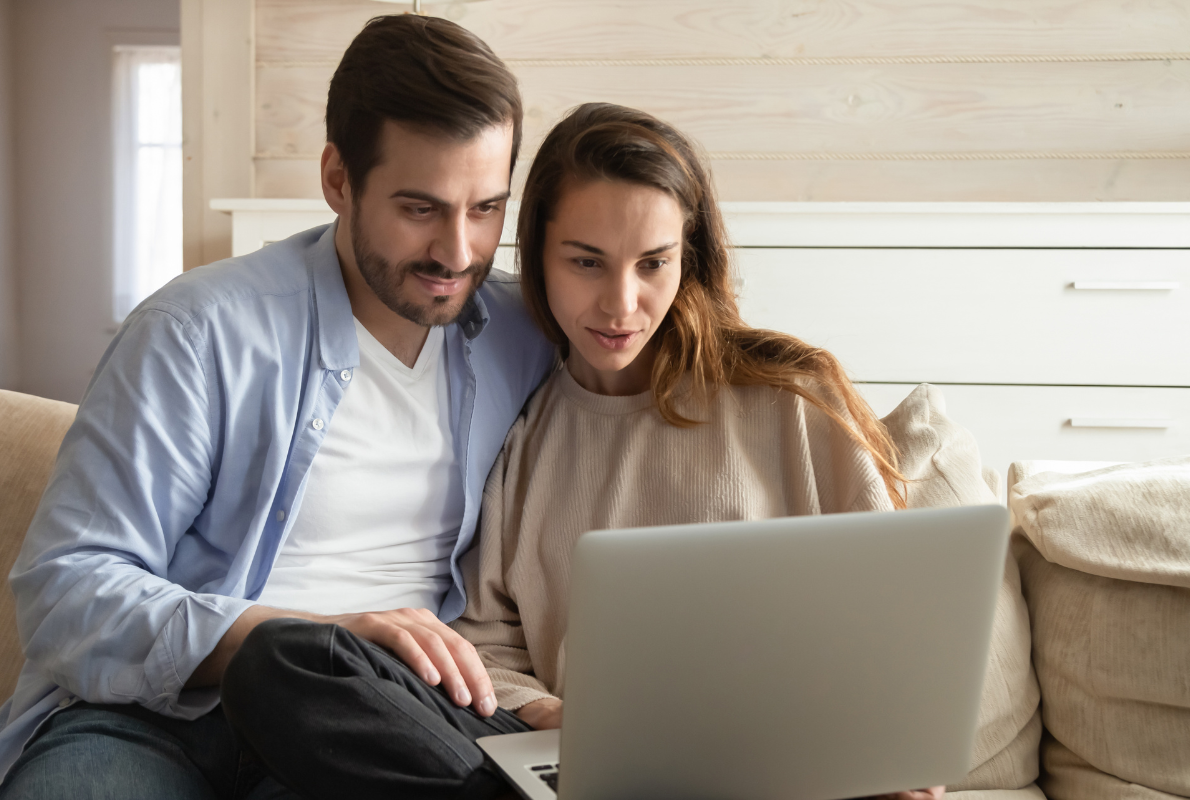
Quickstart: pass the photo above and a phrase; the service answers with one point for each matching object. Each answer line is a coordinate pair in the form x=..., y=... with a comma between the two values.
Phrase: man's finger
x=406, y=647
x=474, y=673
x=437, y=651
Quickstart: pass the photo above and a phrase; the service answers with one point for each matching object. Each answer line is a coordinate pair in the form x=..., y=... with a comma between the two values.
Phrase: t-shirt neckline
x=382, y=355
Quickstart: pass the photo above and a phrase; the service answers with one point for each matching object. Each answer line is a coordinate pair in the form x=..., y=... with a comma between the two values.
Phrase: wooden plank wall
x=1025, y=100
x=217, y=116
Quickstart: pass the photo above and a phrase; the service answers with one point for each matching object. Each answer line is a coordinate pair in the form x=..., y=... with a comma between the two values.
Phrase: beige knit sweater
x=577, y=461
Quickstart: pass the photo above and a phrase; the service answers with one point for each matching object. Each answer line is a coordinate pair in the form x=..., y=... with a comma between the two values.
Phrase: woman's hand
x=542, y=715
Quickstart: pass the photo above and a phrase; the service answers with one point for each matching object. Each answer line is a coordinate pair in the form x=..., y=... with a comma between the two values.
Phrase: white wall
x=64, y=180
x=9, y=346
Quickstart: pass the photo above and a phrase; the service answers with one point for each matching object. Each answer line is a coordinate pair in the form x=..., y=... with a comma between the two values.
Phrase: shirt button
x=280, y=515
x=345, y=374
x=317, y=424
x=64, y=702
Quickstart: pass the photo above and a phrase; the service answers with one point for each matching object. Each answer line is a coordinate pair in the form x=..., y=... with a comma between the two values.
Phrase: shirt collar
x=337, y=345
x=474, y=317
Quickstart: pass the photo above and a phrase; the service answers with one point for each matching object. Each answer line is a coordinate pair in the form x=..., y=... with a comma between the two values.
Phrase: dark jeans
x=125, y=752
x=332, y=715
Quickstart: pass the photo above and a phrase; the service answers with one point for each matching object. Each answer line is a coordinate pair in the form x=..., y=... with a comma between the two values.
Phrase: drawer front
x=1098, y=317
x=1060, y=423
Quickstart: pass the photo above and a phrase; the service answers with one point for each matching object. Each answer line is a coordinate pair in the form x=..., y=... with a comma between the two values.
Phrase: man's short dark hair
x=425, y=72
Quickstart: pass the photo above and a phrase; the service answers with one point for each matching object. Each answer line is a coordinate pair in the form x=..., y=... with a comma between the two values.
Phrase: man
x=307, y=427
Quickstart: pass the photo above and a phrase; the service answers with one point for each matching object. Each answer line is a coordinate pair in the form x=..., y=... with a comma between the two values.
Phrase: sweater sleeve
x=872, y=496
x=846, y=474
x=492, y=620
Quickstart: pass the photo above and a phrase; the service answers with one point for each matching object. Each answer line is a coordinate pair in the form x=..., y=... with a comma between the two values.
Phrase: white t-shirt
x=384, y=498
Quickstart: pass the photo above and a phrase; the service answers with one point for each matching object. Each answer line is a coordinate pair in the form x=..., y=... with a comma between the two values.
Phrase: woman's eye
x=655, y=263
x=586, y=262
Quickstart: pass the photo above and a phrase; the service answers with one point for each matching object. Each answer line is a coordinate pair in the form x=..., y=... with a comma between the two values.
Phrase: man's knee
x=88, y=752
x=275, y=643
x=271, y=657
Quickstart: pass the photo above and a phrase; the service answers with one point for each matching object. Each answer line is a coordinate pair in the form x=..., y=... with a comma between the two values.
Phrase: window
x=147, y=110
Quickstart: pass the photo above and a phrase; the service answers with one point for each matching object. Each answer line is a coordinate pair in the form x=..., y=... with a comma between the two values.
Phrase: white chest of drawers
x=1056, y=331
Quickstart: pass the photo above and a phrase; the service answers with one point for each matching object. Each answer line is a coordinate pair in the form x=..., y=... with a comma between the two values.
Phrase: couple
x=236, y=582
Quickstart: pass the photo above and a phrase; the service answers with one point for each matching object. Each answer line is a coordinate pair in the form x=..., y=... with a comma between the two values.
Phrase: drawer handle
x=1120, y=422
x=1125, y=286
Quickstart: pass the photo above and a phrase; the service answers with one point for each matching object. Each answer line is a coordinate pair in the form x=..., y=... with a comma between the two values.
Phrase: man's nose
x=452, y=247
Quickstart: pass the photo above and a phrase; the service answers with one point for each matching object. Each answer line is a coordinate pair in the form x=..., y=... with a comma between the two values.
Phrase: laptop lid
x=811, y=657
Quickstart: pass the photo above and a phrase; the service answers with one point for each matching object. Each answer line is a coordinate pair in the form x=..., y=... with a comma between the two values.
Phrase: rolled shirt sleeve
x=97, y=608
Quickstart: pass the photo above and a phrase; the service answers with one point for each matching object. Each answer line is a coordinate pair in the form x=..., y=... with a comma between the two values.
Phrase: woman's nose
x=621, y=295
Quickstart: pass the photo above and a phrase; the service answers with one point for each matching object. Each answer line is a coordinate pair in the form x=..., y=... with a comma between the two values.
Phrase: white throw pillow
x=941, y=459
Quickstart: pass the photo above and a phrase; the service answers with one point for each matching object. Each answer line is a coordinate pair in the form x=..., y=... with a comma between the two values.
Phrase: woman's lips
x=439, y=287
x=614, y=340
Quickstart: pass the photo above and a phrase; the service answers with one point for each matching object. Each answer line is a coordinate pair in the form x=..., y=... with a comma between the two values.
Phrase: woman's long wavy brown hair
x=703, y=335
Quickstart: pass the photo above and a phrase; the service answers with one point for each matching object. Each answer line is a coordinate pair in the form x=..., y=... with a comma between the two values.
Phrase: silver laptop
x=806, y=657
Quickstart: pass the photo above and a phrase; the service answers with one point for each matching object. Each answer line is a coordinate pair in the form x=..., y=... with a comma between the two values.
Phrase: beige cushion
x=941, y=458
x=1105, y=566
x=1127, y=521
x=29, y=442
x=1074, y=777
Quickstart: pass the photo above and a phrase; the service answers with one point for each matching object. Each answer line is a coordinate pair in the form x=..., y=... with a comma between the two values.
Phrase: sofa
x=1087, y=690
x=28, y=445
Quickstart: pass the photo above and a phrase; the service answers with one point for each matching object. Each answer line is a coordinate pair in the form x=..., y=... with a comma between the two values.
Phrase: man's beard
x=385, y=279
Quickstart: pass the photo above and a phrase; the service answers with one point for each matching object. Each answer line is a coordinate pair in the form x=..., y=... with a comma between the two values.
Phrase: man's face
x=424, y=231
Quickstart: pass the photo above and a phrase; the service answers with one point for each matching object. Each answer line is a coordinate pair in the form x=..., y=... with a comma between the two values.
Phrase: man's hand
x=427, y=646
x=542, y=715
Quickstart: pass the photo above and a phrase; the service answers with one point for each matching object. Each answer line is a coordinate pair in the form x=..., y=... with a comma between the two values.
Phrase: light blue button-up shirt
x=181, y=475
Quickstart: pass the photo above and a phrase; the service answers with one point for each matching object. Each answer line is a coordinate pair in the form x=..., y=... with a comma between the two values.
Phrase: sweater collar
x=600, y=403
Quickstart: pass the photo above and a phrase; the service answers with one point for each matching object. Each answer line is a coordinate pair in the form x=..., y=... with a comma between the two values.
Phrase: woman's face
x=612, y=258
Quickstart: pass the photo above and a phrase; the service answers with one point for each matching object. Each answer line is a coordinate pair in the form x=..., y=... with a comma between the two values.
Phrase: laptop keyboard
x=548, y=773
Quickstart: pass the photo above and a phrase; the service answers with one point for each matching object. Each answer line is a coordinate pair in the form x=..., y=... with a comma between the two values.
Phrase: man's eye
x=420, y=211
x=487, y=209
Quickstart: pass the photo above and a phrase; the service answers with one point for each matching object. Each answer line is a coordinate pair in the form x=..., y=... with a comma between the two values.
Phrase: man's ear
x=336, y=188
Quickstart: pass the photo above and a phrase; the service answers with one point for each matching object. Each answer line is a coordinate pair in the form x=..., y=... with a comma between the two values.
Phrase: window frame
x=125, y=155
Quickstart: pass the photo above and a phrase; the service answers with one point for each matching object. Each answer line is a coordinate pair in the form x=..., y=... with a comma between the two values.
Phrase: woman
x=667, y=409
